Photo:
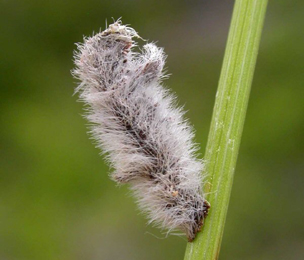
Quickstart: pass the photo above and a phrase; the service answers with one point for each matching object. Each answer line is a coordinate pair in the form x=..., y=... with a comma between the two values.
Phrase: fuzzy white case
x=140, y=129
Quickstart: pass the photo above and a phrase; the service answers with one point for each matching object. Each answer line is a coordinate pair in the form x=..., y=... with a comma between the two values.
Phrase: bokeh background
x=56, y=200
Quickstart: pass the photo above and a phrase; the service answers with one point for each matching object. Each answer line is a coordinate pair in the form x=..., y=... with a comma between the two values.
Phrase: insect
x=140, y=129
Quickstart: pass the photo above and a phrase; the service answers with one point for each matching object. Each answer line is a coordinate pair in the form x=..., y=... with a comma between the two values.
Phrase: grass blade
x=227, y=122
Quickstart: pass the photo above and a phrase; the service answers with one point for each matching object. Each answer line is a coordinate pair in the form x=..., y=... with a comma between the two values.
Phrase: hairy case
x=137, y=125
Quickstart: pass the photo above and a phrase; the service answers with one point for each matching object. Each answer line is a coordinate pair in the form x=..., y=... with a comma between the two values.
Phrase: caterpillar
x=140, y=129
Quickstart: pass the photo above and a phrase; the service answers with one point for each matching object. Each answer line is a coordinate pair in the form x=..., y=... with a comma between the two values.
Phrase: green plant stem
x=227, y=122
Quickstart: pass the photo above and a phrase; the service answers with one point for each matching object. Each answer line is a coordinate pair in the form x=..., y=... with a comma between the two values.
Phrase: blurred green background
x=56, y=200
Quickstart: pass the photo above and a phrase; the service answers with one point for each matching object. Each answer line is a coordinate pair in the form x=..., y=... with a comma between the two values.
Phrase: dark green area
x=57, y=201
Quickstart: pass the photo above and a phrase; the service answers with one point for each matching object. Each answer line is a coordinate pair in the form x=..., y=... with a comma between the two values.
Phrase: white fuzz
x=138, y=126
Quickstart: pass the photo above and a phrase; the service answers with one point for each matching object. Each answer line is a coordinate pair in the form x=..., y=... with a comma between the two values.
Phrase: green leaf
x=227, y=122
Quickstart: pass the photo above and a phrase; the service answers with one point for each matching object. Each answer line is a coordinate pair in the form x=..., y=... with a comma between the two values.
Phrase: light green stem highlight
x=227, y=122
